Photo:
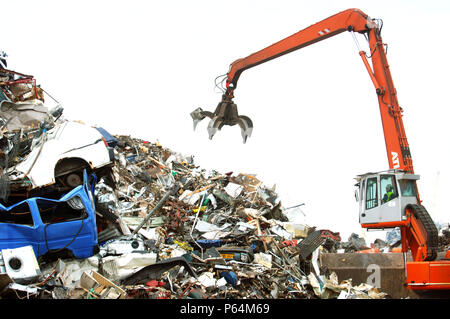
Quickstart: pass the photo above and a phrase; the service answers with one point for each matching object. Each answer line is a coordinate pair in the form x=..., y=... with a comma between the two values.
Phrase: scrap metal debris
x=170, y=229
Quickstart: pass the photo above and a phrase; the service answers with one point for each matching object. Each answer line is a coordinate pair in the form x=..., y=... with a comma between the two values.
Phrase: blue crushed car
x=50, y=225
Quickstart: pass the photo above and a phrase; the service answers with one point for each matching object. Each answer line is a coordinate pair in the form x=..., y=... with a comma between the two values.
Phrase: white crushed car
x=59, y=155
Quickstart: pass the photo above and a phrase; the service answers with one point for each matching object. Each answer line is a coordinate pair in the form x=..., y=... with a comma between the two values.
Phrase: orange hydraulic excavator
x=387, y=199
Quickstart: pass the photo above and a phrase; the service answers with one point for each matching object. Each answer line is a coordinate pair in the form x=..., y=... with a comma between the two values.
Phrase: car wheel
x=73, y=180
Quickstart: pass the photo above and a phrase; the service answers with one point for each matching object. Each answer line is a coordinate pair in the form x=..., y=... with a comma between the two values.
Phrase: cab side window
x=408, y=188
x=371, y=193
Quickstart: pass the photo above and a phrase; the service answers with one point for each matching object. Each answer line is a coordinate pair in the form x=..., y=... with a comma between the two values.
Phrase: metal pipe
x=156, y=208
x=195, y=221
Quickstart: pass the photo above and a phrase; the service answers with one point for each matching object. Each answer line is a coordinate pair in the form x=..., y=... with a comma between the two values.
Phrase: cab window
x=408, y=187
x=388, y=188
x=20, y=215
x=55, y=212
x=371, y=193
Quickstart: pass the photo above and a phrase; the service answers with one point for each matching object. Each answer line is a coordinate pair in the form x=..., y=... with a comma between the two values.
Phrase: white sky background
x=140, y=67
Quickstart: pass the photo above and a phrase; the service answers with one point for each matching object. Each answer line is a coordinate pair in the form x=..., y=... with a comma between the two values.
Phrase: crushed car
x=65, y=225
x=60, y=155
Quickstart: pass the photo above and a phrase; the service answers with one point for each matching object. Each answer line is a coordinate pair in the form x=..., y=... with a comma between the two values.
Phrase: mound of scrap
x=88, y=215
x=169, y=229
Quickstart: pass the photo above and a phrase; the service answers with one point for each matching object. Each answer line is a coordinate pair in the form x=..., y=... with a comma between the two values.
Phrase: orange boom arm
x=354, y=20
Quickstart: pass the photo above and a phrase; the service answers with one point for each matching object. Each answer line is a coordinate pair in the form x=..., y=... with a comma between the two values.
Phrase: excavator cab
x=390, y=199
x=384, y=196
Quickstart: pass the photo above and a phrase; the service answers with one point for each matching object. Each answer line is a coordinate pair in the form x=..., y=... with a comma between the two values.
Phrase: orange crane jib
x=353, y=20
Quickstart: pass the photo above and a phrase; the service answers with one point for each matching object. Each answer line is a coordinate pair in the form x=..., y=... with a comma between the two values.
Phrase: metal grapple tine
x=198, y=114
x=246, y=126
x=214, y=125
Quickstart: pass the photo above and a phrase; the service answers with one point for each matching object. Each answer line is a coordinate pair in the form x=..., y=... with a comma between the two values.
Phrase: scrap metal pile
x=170, y=229
x=88, y=215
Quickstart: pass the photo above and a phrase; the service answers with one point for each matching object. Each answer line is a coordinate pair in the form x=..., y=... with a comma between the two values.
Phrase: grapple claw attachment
x=225, y=114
